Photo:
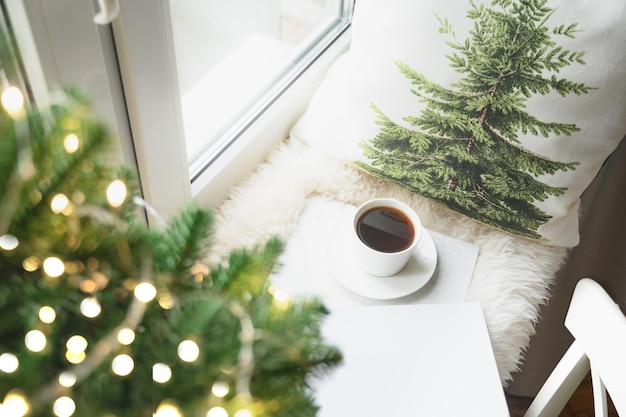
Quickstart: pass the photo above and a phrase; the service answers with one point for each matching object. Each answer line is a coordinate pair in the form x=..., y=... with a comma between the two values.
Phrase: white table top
x=424, y=354
x=413, y=360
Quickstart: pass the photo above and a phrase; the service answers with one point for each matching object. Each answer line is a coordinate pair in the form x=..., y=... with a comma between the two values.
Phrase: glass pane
x=233, y=54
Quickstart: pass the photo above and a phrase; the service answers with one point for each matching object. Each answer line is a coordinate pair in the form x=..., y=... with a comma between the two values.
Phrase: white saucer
x=343, y=266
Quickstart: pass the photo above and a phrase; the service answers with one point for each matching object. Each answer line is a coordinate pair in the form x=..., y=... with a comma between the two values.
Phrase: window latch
x=109, y=9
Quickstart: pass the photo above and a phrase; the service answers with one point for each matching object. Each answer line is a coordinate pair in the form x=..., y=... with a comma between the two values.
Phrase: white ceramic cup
x=374, y=260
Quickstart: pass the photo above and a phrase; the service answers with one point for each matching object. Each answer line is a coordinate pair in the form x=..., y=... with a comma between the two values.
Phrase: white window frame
x=141, y=42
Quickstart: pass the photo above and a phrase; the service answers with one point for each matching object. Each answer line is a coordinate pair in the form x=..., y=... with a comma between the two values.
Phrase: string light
x=75, y=357
x=13, y=102
x=126, y=336
x=64, y=407
x=35, y=341
x=67, y=379
x=30, y=264
x=122, y=365
x=76, y=344
x=167, y=409
x=281, y=298
x=47, y=314
x=71, y=143
x=53, y=267
x=15, y=405
x=161, y=373
x=217, y=412
x=8, y=242
x=220, y=389
x=188, y=351
x=244, y=412
x=145, y=292
x=59, y=203
x=90, y=307
x=116, y=193
x=9, y=363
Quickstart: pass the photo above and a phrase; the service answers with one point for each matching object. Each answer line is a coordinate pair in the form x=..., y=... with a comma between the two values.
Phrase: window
x=199, y=90
x=227, y=93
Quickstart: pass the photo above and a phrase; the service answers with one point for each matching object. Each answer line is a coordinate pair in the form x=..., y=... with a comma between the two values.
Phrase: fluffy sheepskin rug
x=512, y=277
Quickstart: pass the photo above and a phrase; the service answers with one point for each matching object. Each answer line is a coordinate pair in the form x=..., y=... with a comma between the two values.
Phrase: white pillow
x=501, y=169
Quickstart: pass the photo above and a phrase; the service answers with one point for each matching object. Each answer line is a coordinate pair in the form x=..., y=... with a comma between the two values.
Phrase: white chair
x=599, y=330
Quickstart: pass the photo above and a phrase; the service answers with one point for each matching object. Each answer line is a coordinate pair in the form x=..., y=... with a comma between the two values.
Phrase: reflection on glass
x=229, y=54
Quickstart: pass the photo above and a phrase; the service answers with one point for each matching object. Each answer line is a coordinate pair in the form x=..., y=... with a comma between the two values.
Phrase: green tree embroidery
x=465, y=152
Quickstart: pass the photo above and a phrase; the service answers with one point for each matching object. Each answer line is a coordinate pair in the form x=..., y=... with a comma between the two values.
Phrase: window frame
x=135, y=89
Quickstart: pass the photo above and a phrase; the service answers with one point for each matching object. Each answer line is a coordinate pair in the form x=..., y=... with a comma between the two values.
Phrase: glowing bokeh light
x=167, y=409
x=122, y=365
x=217, y=412
x=161, y=373
x=145, y=292
x=76, y=344
x=8, y=242
x=13, y=102
x=90, y=307
x=64, y=407
x=47, y=314
x=126, y=336
x=116, y=193
x=35, y=341
x=53, y=267
x=71, y=143
x=188, y=351
x=75, y=357
x=59, y=203
x=220, y=389
x=67, y=379
x=244, y=412
x=9, y=363
x=15, y=405
x=30, y=264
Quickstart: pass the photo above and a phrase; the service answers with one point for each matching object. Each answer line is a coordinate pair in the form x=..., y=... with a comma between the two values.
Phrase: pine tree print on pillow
x=463, y=149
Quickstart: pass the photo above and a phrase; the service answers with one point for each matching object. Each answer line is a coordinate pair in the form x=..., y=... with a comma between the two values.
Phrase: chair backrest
x=599, y=329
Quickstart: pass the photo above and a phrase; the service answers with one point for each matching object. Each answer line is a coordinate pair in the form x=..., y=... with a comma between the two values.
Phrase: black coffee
x=385, y=229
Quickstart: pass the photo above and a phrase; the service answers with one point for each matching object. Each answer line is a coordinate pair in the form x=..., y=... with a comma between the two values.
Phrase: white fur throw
x=512, y=277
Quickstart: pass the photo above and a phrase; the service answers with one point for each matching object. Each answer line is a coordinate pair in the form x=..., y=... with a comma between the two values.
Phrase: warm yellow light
x=47, y=314
x=71, y=143
x=35, y=341
x=126, y=336
x=64, y=407
x=166, y=301
x=220, y=389
x=122, y=365
x=30, y=264
x=8, y=363
x=8, y=242
x=217, y=412
x=76, y=344
x=145, y=292
x=281, y=298
x=116, y=193
x=161, y=373
x=15, y=405
x=244, y=412
x=59, y=203
x=90, y=307
x=75, y=357
x=188, y=351
x=53, y=267
x=167, y=409
x=13, y=102
x=67, y=379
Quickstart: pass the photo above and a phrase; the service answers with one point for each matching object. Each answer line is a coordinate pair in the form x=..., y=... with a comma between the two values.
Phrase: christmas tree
x=464, y=151
x=105, y=316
